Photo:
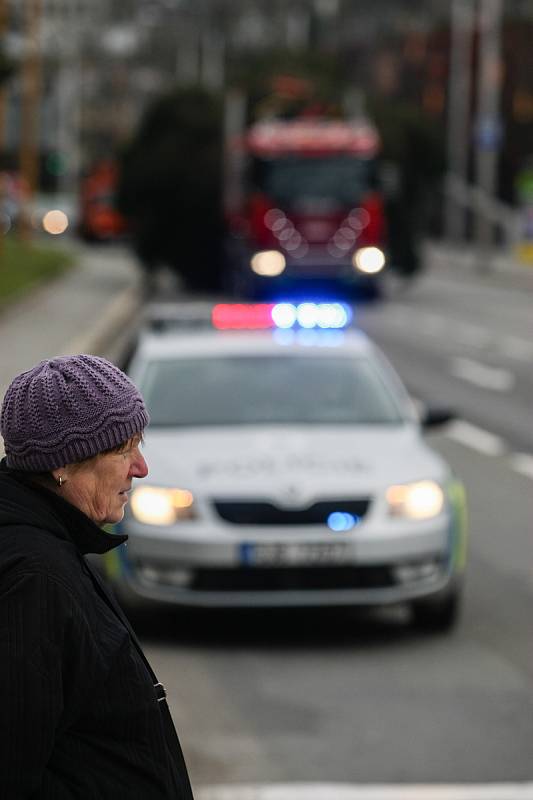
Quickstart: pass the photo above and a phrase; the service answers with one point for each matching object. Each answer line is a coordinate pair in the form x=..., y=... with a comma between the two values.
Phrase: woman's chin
x=112, y=519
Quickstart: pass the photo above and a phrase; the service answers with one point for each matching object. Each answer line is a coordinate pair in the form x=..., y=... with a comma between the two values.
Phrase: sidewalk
x=88, y=310
x=500, y=269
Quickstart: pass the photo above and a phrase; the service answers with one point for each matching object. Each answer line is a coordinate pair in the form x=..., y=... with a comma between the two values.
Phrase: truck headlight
x=369, y=260
x=268, y=262
x=420, y=500
x=154, y=505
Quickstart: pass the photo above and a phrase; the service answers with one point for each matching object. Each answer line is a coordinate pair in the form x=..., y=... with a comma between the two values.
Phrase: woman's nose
x=139, y=467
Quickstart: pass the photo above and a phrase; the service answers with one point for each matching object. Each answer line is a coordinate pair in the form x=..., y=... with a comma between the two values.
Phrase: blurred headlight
x=420, y=500
x=268, y=262
x=156, y=506
x=369, y=260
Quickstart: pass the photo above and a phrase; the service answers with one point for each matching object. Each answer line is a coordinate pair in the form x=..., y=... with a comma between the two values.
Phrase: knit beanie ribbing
x=67, y=409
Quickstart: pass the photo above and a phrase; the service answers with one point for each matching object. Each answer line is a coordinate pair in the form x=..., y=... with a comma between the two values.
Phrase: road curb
x=118, y=318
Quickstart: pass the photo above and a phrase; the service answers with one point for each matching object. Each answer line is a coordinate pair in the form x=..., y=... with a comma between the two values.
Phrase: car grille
x=263, y=513
x=291, y=578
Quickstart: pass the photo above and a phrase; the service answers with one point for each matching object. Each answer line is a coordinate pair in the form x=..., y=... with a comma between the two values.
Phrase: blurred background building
x=84, y=71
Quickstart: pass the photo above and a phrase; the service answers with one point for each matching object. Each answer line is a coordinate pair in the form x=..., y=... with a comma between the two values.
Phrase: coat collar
x=71, y=523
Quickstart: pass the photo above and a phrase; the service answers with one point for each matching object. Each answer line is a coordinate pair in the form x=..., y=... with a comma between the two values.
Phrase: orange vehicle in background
x=100, y=221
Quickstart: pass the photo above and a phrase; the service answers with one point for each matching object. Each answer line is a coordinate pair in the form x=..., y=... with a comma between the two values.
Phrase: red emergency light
x=240, y=316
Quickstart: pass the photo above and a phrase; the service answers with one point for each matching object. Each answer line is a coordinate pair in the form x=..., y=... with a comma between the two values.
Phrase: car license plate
x=267, y=554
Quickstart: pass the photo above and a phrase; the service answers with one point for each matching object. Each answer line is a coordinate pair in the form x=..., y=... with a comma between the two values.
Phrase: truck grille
x=263, y=513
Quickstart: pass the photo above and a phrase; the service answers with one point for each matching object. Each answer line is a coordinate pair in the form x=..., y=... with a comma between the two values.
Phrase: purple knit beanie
x=67, y=409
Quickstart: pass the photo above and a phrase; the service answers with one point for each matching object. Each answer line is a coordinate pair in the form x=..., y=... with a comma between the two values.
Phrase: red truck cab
x=311, y=208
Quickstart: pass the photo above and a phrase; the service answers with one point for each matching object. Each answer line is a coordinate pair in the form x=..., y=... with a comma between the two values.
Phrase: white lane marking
x=522, y=463
x=412, y=320
x=432, y=324
x=478, y=439
x=513, y=347
x=494, y=378
x=471, y=334
x=343, y=791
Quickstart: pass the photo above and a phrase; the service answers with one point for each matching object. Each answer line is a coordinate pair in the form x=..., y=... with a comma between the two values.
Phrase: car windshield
x=268, y=390
x=292, y=181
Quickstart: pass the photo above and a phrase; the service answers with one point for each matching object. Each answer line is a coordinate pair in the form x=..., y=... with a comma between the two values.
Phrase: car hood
x=252, y=461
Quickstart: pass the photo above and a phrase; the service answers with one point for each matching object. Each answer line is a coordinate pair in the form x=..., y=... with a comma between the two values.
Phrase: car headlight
x=268, y=262
x=369, y=260
x=420, y=500
x=154, y=505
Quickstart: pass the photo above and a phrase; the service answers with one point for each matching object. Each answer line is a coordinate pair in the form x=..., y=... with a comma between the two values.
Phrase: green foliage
x=170, y=185
x=24, y=265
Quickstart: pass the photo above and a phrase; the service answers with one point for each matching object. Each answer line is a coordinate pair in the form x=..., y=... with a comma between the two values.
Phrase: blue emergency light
x=342, y=521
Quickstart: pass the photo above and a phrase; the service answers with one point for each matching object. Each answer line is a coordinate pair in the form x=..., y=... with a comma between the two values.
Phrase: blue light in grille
x=342, y=521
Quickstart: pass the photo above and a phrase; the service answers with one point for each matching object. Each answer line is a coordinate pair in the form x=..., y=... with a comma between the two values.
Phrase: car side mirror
x=435, y=417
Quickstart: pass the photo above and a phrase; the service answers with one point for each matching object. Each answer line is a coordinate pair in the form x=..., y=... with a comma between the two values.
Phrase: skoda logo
x=292, y=495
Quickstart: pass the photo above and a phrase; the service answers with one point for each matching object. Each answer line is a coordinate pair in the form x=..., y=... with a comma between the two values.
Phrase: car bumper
x=321, y=271
x=317, y=266
x=134, y=592
x=207, y=570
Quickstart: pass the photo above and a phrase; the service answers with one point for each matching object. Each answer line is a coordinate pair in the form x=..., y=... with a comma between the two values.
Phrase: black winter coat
x=81, y=712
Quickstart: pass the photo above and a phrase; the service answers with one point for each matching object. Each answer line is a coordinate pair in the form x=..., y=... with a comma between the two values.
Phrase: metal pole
x=188, y=58
x=3, y=91
x=212, y=61
x=234, y=125
x=69, y=100
x=459, y=89
x=31, y=89
x=488, y=122
x=3, y=104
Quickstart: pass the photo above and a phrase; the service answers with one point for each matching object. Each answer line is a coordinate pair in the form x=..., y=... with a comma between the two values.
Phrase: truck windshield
x=268, y=390
x=338, y=180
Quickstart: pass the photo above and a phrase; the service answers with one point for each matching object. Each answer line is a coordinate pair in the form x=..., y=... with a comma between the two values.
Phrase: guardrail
x=505, y=218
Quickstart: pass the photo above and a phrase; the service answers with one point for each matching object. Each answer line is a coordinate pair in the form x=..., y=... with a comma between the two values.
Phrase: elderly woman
x=82, y=714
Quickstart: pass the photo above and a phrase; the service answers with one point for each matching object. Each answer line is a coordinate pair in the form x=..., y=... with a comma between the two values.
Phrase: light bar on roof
x=241, y=316
x=313, y=136
x=264, y=316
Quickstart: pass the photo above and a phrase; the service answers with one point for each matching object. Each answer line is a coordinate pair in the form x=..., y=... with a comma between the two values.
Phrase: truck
x=306, y=209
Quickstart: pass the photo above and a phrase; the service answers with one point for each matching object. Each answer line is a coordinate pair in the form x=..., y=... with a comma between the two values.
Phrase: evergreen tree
x=170, y=186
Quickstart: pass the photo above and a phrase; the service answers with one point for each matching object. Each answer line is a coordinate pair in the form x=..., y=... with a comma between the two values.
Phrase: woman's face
x=99, y=486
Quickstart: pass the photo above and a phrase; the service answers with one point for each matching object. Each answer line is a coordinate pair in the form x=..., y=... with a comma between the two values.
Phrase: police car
x=287, y=468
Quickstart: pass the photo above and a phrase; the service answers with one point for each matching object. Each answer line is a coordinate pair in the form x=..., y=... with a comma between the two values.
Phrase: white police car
x=287, y=468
